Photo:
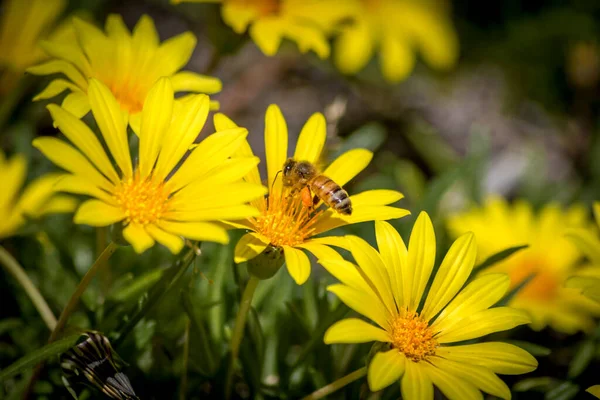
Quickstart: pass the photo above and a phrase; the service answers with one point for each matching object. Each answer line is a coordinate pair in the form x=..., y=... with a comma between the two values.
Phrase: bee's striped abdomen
x=332, y=194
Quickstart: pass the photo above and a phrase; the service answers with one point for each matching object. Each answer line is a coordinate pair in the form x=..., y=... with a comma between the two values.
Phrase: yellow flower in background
x=22, y=24
x=128, y=64
x=153, y=200
x=587, y=279
x=387, y=286
x=550, y=256
x=306, y=22
x=38, y=198
x=284, y=222
x=397, y=29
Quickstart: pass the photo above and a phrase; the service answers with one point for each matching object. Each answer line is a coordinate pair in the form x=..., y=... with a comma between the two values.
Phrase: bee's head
x=288, y=172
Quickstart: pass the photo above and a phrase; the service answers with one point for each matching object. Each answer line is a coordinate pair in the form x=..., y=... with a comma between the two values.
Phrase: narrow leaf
x=499, y=256
x=582, y=358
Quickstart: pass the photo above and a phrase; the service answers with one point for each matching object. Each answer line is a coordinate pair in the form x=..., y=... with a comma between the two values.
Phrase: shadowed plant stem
x=238, y=330
x=337, y=385
x=17, y=272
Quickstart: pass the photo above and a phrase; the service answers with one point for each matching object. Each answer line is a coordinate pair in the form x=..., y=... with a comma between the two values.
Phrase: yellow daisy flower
x=284, y=222
x=397, y=28
x=155, y=200
x=550, y=256
x=128, y=64
x=388, y=286
x=22, y=24
x=38, y=198
x=306, y=22
x=587, y=279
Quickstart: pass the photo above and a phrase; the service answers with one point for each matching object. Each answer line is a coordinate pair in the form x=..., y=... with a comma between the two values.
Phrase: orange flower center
x=263, y=7
x=144, y=201
x=285, y=220
x=412, y=336
x=544, y=286
x=129, y=98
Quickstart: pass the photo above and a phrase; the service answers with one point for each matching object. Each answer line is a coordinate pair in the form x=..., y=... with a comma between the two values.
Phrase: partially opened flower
x=128, y=64
x=37, y=199
x=423, y=333
x=23, y=23
x=397, y=29
x=285, y=222
x=587, y=279
x=550, y=258
x=152, y=199
x=306, y=22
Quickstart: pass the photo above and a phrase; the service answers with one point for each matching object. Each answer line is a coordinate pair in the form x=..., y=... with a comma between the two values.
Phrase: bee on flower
x=128, y=63
x=422, y=334
x=286, y=223
x=550, y=258
x=155, y=199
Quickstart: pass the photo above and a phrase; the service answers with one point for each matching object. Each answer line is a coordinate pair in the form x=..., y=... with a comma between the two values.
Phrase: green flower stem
x=238, y=329
x=13, y=268
x=104, y=273
x=336, y=385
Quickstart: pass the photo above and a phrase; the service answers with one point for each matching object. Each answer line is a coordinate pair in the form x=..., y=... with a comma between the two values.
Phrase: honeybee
x=303, y=176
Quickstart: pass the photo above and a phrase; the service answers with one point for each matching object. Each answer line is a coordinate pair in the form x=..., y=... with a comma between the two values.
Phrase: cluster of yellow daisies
x=187, y=181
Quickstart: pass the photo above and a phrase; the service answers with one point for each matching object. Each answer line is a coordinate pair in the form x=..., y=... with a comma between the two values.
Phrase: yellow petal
x=109, y=118
x=480, y=377
x=590, y=287
x=297, y=264
x=68, y=158
x=203, y=231
x=116, y=28
x=98, y=213
x=587, y=242
x=594, y=390
x=332, y=219
x=451, y=275
x=394, y=254
x=175, y=52
x=84, y=139
x=213, y=214
x=222, y=122
x=501, y=358
x=172, y=242
x=416, y=383
x=188, y=120
x=373, y=269
x=348, y=165
x=451, y=386
x=145, y=35
x=156, y=118
x=379, y=197
x=12, y=173
x=311, y=139
x=397, y=59
x=56, y=87
x=135, y=122
x=307, y=37
x=353, y=48
x=57, y=205
x=386, y=368
x=421, y=257
x=186, y=81
x=597, y=212
x=348, y=274
x=60, y=67
x=483, y=323
x=276, y=142
x=68, y=52
x=362, y=303
x=229, y=171
x=76, y=103
x=321, y=252
x=480, y=294
x=138, y=237
x=37, y=194
x=354, y=330
x=249, y=246
x=267, y=34
x=80, y=185
x=193, y=197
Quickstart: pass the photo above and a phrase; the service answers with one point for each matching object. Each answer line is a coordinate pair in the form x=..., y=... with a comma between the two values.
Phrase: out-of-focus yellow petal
x=416, y=383
x=56, y=87
x=297, y=263
x=156, y=119
x=353, y=48
x=113, y=126
x=37, y=194
x=249, y=246
x=267, y=34
x=80, y=185
x=172, y=242
x=363, y=304
x=451, y=386
x=589, y=286
x=57, y=205
x=354, y=330
x=348, y=165
x=76, y=103
x=397, y=58
x=60, y=67
x=594, y=390
x=138, y=237
x=587, y=242
x=187, y=81
x=175, y=52
x=502, y=358
x=98, y=213
x=421, y=256
x=385, y=369
x=452, y=275
x=13, y=174
x=311, y=139
x=68, y=52
x=276, y=143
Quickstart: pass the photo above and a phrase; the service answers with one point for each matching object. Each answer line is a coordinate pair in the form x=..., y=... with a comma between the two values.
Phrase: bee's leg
x=307, y=198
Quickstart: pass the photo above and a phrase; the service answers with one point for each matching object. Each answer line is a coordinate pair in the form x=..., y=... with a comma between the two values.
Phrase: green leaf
x=410, y=179
x=582, y=358
x=532, y=348
x=369, y=136
x=538, y=384
x=496, y=258
x=37, y=356
x=136, y=286
x=564, y=391
x=432, y=147
x=514, y=291
x=207, y=362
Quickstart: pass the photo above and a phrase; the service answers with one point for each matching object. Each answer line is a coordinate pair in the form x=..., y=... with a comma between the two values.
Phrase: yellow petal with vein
x=194, y=197
x=348, y=165
x=174, y=53
x=354, y=330
x=297, y=263
x=62, y=67
x=249, y=246
x=386, y=368
x=212, y=214
x=394, y=255
x=187, y=81
x=172, y=242
x=56, y=87
x=451, y=386
x=379, y=197
x=362, y=303
x=421, y=257
x=311, y=139
x=76, y=103
x=276, y=142
x=80, y=185
x=348, y=274
x=204, y=231
x=321, y=252
x=416, y=384
x=587, y=241
x=98, y=213
x=222, y=122
x=138, y=237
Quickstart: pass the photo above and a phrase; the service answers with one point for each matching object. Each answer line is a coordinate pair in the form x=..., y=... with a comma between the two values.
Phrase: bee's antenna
x=273, y=184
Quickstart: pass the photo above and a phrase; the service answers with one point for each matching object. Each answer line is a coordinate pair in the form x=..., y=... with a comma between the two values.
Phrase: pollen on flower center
x=144, y=201
x=412, y=336
x=285, y=221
